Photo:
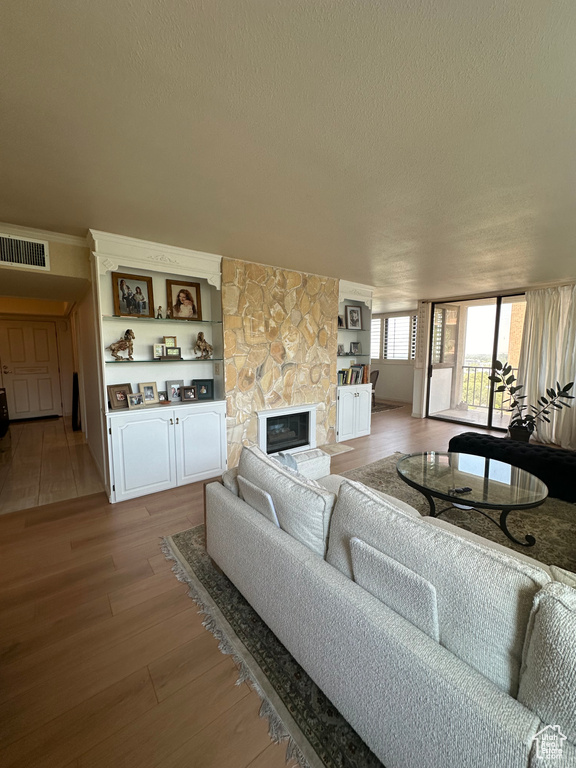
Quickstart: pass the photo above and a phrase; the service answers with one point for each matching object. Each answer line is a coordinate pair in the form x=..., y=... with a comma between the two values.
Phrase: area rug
x=336, y=448
x=553, y=524
x=317, y=735
x=379, y=407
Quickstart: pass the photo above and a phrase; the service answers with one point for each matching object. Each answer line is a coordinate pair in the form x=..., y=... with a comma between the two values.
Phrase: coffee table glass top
x=493, y=484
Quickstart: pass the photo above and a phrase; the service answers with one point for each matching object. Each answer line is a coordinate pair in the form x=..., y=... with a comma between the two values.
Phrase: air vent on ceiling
x=24, y=252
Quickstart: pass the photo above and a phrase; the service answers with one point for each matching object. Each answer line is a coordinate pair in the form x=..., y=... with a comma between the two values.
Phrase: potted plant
x=522, y=423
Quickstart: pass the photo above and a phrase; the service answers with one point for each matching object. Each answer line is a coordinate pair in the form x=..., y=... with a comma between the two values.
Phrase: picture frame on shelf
x=172, y=353
x=184, y=300
x=353, y=317
x=341, y=321
x=136, y=400
x=159, y=351
x=204, y=389
x=341, y=350
x=170, y=341
x=355, y=348
x=132, y=295
x=118, y=396
x=163, y=396
x=149, y=392
x=173, y=388
x=188, y=393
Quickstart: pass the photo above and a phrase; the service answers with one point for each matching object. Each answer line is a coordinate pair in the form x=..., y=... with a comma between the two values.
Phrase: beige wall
x=280, y=337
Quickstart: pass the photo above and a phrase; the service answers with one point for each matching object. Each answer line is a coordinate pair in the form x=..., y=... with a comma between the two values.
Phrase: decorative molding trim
x=112, y=250
x=363, y=293
x=43, y=234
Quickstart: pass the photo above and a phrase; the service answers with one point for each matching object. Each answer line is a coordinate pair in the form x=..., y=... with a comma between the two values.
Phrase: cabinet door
x=345, y=414
x=363, y=412
x=200, y=442
x=143, y=455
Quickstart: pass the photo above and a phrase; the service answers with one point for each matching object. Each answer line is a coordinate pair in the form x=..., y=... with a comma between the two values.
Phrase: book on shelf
x=356, y=374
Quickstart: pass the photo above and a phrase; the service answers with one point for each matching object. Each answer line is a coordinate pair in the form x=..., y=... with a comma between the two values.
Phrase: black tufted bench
x=554, y=466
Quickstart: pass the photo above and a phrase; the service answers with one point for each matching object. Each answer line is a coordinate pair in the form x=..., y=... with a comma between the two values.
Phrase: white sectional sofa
x=441, y=649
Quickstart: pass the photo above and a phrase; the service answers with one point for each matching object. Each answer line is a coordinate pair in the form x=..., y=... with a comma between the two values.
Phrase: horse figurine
x=125, y=344
x=203, y=347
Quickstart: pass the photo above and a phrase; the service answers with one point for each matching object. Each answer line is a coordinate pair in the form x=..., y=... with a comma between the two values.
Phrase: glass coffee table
x=473, y=482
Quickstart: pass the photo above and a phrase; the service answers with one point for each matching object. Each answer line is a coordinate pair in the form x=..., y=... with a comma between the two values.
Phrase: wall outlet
x=217, y=369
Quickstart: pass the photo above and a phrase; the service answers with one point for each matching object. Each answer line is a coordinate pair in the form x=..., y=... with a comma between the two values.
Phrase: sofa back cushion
x=484, y=597
x=548, y=676
x=303, y=507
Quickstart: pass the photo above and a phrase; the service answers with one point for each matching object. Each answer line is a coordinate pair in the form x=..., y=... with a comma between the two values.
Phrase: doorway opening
x=466, y=339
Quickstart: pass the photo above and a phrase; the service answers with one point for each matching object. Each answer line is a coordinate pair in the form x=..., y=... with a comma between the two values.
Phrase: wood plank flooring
x=42, y=462
x=103, y=657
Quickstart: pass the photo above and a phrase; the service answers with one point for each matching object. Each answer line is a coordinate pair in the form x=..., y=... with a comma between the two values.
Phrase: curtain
x=548, y=356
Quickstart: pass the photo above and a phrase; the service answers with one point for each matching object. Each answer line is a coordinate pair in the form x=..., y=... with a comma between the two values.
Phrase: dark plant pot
x=522, y=434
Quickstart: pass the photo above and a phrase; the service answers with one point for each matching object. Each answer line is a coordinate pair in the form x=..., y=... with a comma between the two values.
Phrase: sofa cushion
x=313, y=463
x=258, y=499
x=565, y=577
x=230, y=480
x=303, y=507
x=484, y=596
x=548, y=677
x=398, y=587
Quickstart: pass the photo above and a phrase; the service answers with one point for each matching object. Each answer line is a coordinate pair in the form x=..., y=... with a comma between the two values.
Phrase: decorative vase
x=522, y=434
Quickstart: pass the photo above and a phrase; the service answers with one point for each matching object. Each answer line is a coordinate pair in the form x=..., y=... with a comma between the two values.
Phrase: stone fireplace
x=287, y=429
x=280, y=343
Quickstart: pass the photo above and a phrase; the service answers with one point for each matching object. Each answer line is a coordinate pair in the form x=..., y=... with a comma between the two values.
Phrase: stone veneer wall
x=280, y=343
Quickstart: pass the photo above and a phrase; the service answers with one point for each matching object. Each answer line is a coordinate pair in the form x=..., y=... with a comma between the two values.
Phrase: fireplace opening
x=286, y=432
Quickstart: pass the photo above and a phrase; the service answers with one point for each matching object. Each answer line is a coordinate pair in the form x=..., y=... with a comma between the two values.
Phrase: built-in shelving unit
x=160, y=446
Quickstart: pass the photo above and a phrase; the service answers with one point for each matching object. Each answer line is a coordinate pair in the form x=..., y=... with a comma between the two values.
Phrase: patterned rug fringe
x=276, y=728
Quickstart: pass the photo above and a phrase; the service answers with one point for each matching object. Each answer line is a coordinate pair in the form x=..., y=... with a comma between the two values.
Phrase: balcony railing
x=476, y=388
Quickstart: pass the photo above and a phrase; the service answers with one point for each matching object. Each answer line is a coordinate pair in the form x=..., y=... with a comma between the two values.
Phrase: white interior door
x=30, y=373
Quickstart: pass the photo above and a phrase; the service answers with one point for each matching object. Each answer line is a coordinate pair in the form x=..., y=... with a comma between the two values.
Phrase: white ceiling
x=427, y=149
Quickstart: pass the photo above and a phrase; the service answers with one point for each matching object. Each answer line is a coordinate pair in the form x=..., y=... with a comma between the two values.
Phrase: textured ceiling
x=426, y=148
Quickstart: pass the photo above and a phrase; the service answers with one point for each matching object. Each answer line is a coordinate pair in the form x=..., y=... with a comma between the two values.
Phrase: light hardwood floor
x=42, y=462
x=104, y=660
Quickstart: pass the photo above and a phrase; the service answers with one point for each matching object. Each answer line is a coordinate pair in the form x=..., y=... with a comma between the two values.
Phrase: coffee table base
x=501, y=523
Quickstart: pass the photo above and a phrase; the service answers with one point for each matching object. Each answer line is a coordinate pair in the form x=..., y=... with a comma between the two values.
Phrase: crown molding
x=358, y=291
x=42, y=234
x=111, y=251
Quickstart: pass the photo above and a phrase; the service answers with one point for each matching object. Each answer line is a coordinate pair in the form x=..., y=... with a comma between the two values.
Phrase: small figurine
x=159, y=314
x=203, y=347
x=125, y=344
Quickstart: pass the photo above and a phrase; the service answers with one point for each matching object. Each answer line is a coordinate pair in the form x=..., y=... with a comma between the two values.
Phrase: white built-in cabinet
x=354, y=411
x=354, y=407
x=158, y=447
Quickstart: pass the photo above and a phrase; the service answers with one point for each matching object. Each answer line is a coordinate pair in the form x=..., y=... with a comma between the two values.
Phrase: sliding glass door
x=466, y=338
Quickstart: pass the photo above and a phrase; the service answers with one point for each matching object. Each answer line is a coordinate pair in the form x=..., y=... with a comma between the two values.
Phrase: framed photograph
x=355, y=348
x=172, y=353
x=132, y=295
x=184, y=300
x=188, y=393
x=118, y=395
x=341, y=321
x=353, y=318
x=163, y=396
x=170, y=341
x=173, y=388
x=340, y=349
x=149, y=392
x=136, y=400
x=204, y=389
x=159, y=350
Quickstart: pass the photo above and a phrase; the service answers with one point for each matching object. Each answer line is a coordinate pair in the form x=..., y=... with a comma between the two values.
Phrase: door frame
x=434, y=304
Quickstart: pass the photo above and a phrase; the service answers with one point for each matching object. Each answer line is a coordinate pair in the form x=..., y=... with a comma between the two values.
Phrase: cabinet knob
x=177, y=420
x=172, y=422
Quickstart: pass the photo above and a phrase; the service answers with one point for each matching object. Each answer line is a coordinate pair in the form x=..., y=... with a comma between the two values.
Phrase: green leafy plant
x=524, y=415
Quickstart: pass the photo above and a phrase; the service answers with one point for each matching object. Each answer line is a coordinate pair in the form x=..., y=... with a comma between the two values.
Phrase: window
x=393, y=337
